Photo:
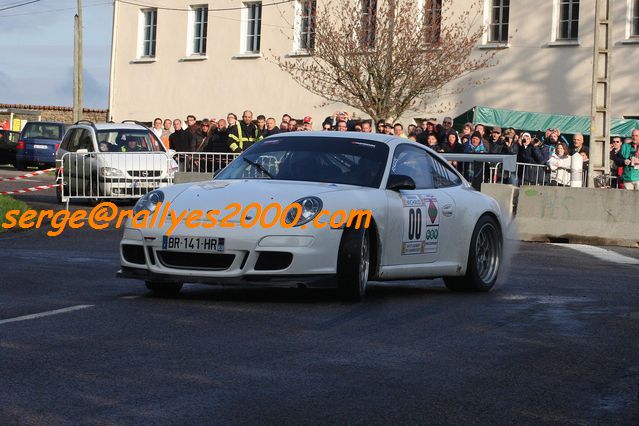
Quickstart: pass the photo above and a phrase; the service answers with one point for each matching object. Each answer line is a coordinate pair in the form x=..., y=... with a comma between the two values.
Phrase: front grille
x=273, y=261
x=145, y=173
x=190, y=260
x=133, y=254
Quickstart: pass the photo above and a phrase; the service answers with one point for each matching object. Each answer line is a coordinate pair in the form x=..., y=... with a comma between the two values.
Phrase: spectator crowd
x=544, y=158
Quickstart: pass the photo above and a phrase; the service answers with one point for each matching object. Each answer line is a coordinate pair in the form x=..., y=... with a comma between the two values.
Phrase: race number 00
x=414, y=224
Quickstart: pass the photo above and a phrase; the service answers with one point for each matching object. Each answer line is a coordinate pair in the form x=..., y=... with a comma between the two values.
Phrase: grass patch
x=9, y=203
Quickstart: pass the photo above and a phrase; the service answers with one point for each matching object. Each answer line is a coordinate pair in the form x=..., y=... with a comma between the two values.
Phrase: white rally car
x=427, y=221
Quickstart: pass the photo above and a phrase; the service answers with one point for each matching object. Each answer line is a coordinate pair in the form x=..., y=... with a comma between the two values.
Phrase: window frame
x=572, y=22
x=198, y=30
x=147, y=47
x=500, y=23
x=305, y=40
x=431, y=11
x=632, y=32
x=251, y=43
x=367, y=24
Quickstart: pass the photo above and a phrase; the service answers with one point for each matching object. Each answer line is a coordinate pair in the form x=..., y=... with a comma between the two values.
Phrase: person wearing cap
x=308, y=123
x=202, y=135
x=476, y=144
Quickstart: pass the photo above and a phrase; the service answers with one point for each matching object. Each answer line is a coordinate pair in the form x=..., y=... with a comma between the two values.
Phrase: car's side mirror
x=397, y=182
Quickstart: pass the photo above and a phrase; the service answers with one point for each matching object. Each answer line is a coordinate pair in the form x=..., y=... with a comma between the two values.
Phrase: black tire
x=164, y=289
x=58, y=189
x=58, y=194
x=484, y=258
x=353, y=264
x=20, y=165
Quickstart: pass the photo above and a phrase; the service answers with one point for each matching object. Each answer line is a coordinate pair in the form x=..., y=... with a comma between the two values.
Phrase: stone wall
x=56, y=113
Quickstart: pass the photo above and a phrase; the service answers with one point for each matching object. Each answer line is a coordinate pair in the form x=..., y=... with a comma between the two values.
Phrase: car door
x=420, y=218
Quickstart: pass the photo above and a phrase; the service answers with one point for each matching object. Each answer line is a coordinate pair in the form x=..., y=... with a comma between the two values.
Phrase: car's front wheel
x=353, y=264
x=484, y=258
x=164, y=289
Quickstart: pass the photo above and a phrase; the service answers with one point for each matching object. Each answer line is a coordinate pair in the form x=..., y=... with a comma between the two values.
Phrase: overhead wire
x=45, y=11
x=176, y=9
x=19, y=5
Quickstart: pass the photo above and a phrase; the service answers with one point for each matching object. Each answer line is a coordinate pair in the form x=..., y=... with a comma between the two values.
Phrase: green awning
x=539, y=122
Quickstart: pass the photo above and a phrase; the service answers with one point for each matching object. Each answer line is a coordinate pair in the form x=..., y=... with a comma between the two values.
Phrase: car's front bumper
x=313, y=262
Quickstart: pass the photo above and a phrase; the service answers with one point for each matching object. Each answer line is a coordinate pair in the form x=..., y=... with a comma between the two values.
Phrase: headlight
x=110, y=172
x=311, y=206
x=148, y=201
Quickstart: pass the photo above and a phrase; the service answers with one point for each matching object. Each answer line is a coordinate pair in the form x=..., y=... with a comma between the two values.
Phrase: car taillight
x=57, y=146
x=20, y=145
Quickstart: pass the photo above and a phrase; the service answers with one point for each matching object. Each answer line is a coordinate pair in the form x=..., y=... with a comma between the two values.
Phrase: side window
x=442, y=176
x=86, y=141
x=415, y=163
x=65, y=141
x=74, y=140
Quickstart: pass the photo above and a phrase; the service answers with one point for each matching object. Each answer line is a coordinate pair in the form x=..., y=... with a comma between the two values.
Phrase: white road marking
x=601, y=253
x=45, y=314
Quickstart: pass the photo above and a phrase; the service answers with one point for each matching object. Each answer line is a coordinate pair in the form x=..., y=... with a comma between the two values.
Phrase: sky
x=36, y=41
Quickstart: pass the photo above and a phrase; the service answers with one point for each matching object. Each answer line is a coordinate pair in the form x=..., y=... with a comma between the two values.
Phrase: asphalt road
x=555, y=343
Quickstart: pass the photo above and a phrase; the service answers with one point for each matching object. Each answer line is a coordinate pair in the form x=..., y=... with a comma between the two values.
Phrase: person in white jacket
x=560, y=166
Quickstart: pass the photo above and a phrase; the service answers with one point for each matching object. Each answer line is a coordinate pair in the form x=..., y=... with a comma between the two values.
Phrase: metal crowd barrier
x=128, y=175
x=112, y=175
x=493, y=168
x=202, y=162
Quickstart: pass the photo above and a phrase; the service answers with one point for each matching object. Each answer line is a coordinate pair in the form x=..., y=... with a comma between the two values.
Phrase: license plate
x=148, y=185
x=41, y=146
x=175, y=242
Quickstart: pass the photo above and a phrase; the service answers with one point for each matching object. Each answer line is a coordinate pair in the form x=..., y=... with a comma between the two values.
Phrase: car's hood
x=218, y=194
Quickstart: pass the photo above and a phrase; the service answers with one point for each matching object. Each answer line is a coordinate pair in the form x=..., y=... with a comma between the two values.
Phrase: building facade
x=171, y=58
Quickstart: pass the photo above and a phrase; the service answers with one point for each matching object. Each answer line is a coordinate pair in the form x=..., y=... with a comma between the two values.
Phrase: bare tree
x=386, y=59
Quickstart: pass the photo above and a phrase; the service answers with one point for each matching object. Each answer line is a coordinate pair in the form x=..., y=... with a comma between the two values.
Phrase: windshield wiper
x=258, y=166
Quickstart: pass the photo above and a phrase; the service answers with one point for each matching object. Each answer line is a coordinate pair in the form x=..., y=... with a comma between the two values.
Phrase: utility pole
x=77, y=65
x=601, y=93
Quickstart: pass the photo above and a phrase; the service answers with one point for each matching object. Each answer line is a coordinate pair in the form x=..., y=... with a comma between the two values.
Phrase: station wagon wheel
x=164, y=289
x=484, y=258
x=353, y=264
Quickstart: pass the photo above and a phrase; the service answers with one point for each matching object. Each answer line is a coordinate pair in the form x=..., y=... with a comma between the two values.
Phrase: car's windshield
x=127, y=140
x=42, y=131
x=312, y=159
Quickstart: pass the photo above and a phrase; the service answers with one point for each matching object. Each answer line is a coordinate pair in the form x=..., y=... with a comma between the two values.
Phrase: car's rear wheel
x=353, y=264
x=20, y=165
x=164, y=289
x=484, y=258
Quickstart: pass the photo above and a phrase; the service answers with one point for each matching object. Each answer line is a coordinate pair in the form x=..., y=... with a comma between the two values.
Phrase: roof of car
x=114, y=126
x=376, y=137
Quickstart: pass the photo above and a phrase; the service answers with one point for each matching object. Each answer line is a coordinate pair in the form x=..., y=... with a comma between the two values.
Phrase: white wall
x=530, y=75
